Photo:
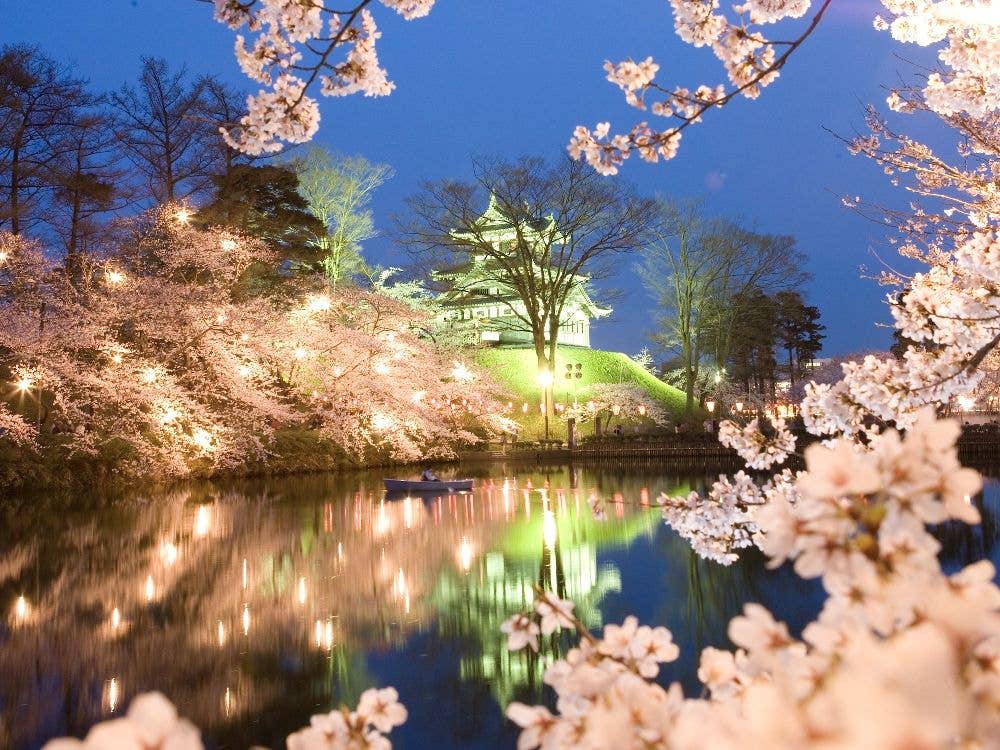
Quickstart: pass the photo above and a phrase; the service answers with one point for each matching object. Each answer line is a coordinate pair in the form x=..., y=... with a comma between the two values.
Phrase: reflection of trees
x=260, y=601
x=234, y=605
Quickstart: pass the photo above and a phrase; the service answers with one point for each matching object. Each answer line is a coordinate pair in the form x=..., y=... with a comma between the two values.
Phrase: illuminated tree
x=338, y=190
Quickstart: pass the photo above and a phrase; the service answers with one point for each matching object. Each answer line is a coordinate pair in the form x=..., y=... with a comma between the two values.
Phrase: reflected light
x=244, y=572
x=550, y=531
x=227, y=702
x=203, y=521
x=116, y=618
x=302, y=591
x=324, y=634
x=168, y=553
x=112, y=694
x=221, y=633
x=408, y=512
x=382, y=522
x=966, y=403
x=21, y=608
x=246, y=620
x=465, y=553
x=150, y=588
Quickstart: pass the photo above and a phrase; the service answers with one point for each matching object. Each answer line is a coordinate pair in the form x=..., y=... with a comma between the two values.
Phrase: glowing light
x=112, y=694
x=221, y=633
x=246, y=620
x=168, y=553
x=244, y=371
x=25, y=383
x=148, y=375
x=710, y=405
x=203, y=439
x=169, y=415
x=300, y=353
x=244, y=337
x=182, y=215
x=544, y=378
x=615, y=409
x=150, y=588
x=203, y=521
x=21, y=608
x=302, y=591
x=460, y=372
x=116, y=618
x=338, y=371
x=738, y=406
x=418, y=396
x=318, y=303
x=524, y=408
x=221, y=319
x=116, y=358
x=642, y=410
x=465, y=554
x=228, y=245
x=381, y=368
x=550, y=530
x=4, y=255
x=382, y=422
x=966, y=403
x=114, y=277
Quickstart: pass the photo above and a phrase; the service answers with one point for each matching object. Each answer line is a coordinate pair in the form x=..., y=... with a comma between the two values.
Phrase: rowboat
x=410, y=485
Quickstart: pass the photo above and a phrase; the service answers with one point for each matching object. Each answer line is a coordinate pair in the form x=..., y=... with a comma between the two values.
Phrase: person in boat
x=429, y=475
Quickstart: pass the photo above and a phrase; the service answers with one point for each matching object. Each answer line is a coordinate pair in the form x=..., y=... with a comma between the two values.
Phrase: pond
x=254, y=604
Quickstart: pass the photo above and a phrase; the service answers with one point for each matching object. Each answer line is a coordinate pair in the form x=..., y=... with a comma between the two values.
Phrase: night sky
x=514, y=77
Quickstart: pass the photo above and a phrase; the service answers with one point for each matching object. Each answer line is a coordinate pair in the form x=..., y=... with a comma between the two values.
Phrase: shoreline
x=688, y=453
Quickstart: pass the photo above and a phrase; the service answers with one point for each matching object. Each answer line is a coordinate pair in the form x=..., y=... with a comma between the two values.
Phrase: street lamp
x=545, y=382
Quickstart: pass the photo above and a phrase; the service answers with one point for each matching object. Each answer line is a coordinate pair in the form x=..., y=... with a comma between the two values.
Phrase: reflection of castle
x=480, y=301
x=558, y=552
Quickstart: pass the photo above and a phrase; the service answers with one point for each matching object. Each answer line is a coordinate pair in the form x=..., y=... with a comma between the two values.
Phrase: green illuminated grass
x=516, y=371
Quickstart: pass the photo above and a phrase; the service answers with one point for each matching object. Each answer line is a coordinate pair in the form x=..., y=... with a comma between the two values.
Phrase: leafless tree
x=39, y=100
x=90, y=186
x=703, y=273
x=163, y=134
x=565, y=224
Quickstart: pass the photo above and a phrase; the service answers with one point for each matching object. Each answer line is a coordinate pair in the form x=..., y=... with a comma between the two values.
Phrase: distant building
x=481, y=306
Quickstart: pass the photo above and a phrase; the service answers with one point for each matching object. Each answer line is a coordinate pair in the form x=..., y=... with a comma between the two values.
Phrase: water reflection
x=253, y=605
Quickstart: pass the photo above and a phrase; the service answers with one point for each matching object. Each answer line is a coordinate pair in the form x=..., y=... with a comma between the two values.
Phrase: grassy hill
x=516, y=371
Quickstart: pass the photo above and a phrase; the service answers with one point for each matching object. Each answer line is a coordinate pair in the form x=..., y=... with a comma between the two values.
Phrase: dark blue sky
x=514, y=77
